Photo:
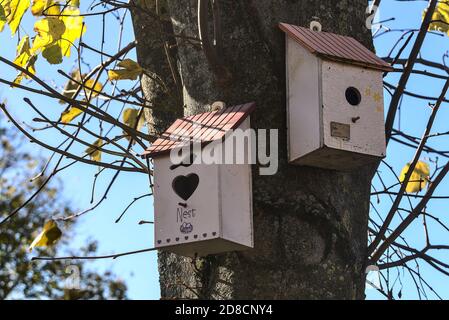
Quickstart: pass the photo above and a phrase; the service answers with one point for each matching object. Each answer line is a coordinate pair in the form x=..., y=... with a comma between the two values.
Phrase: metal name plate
x=340, y=130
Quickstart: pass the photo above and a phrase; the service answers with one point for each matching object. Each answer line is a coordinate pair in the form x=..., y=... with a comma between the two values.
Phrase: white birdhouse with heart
x=202, y=203
x=335, y=113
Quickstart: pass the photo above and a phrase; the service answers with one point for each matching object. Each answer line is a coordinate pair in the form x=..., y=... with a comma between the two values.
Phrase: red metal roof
x=204, y=127
x=332, y=46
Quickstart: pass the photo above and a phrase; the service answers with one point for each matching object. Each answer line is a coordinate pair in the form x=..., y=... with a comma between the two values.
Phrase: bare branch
x=408, y=69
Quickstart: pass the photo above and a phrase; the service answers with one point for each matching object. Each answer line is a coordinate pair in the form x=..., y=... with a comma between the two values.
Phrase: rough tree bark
x=310, y=224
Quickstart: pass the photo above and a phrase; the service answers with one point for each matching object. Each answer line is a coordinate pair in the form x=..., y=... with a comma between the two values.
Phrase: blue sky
x=140, y=271
x=412, y=120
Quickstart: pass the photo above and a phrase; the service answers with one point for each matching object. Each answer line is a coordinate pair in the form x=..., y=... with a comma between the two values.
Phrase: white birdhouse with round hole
x=335, y=113
x=202, y=193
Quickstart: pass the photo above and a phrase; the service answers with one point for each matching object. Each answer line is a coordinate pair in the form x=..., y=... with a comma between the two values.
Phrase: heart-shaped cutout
x=185, y=186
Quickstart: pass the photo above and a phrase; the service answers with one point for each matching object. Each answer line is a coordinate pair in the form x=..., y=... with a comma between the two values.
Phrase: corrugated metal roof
x=332, y=46
x=204, y=128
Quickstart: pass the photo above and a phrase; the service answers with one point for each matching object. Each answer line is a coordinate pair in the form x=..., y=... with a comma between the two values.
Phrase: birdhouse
x=201, y=206
x=335, y=114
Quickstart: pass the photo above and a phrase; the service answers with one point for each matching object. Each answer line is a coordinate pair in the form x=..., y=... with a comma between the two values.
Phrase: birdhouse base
x=204, y=248
x=335, y=159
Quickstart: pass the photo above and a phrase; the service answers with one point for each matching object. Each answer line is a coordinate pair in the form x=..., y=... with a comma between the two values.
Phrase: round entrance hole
x=353, y=96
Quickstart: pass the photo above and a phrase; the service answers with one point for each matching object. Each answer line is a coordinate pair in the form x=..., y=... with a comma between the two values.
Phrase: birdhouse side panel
x=353, y=111
x=186, y=203
x=303, y=100
x=236, y=196
x=237, y=219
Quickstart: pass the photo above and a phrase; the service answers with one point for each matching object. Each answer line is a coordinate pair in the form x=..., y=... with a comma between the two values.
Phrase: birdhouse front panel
x=186, y=204
x=353, y=109
x=334, y=100
x=200, y=207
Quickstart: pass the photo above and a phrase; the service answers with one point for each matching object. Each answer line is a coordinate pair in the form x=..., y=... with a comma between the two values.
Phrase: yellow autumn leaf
x=71, y=85
x=45, y=7
x=56, y=34
x=129, y=70
x=23, y=51
x=95, y=87
x=24, y=58
x=2, y=17
x=49, y=235
x=70, y=114
x=74, y=29
x=129, y=64
x=73, y=3
x=14, y=11
x=93, y=151
x=49, y=30
x=440, y=17
x=418, y=179
x=130, y=117
x=38, y=6
x=30, y=67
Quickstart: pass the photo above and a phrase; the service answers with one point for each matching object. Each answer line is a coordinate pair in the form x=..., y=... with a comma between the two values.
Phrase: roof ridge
x=333, y=46
x=211, y=126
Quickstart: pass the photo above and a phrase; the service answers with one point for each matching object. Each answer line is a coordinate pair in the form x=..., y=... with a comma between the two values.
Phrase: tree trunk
x=310, y=225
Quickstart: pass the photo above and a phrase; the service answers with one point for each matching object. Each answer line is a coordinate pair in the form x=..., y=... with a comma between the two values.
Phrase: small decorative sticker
x=186, y=227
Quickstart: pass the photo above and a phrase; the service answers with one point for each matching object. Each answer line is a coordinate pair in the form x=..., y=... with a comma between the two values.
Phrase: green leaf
x=2, y=17
x=53, y=54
